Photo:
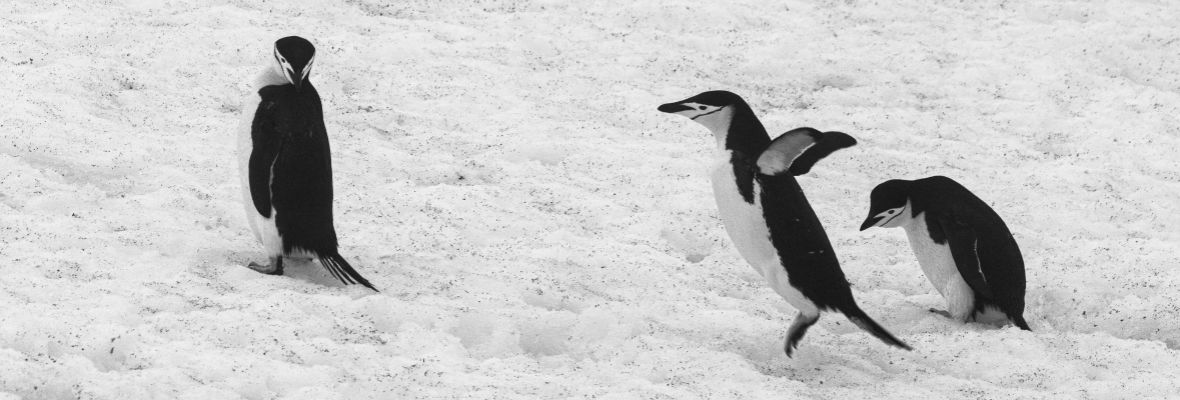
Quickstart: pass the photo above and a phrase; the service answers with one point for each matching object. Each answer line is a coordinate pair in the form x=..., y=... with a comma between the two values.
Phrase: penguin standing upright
x=766, y=214
x=962, y=245
x=286, y=165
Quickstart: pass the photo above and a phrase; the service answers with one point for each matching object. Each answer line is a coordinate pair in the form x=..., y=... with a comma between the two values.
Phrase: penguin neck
x=269, y=77
x=908, y=218
x=718, y=123
x=744, y=133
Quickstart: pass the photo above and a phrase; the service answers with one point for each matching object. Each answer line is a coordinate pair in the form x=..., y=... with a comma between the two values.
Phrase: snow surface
x=539, y=230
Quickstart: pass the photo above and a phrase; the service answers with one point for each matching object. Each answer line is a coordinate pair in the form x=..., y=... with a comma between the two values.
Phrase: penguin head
x=713, y=109
x=888, y=205
x=293, y=58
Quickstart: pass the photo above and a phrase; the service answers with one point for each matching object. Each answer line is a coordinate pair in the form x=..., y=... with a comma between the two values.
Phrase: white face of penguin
x=893, y=217
x=282, y=66
x=716, y=118
x=307, y=68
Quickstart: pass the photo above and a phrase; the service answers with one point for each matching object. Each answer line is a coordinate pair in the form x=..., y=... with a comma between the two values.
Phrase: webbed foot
x=796, y=331
x=274, y=268
x=941, y=312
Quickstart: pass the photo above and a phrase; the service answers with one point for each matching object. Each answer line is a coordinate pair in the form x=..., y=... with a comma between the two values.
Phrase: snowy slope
x=540, y=231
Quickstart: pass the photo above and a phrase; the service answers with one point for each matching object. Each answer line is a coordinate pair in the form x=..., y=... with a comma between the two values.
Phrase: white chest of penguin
x=747, y=229
x=939, y=266
x=743, y=221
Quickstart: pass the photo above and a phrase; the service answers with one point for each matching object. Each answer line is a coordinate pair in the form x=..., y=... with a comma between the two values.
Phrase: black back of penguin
x=803, y=245
x=942, y=196
x=290, y=125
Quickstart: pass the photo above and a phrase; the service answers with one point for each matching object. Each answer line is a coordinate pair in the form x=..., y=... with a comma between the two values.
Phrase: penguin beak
x=297, y=79
x=294, y=77
x=882, y=217
x=672, y=108
x=870, y=222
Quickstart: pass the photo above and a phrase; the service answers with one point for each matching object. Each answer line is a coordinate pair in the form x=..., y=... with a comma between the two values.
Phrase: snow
x=539, y=230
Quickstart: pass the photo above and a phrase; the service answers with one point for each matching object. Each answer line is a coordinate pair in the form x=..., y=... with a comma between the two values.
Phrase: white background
x=539, y=230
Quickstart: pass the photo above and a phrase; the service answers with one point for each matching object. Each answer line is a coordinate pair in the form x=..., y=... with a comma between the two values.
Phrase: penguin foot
x=941, y=312
x=796, y=332
x=274, y=268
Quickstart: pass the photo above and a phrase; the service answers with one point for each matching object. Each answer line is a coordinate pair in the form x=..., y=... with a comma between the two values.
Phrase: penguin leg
x=797, y=330
x=274, y=268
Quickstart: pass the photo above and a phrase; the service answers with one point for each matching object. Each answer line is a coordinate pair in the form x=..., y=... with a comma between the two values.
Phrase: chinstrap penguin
x=767, y=215
x=286, y=165
x=962, y=245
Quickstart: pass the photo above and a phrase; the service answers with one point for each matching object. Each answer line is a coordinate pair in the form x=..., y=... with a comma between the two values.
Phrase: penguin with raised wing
x=286, y=165
x=770, y=221
x=962, y=245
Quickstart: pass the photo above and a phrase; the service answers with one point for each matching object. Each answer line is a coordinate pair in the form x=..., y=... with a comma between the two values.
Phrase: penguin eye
x=703, y=108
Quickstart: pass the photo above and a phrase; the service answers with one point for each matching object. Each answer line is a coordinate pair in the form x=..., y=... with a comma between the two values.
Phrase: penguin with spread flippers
x=766, y=214
x=962, y=245
x=286, y=165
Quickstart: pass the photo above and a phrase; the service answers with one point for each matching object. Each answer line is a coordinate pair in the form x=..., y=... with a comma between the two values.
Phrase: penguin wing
x=265, y=151
x=799, y=149
x=964, y=243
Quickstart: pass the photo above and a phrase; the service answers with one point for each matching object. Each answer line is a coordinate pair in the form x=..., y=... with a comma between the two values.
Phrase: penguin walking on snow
x=766, y=214
x=962, y=245
x=286, y=165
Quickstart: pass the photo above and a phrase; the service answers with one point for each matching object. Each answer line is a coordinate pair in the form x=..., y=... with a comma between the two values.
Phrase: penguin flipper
x=261, y=161
x=265, y=150
x=340, y=269
x=799, y=149
x=964, y=245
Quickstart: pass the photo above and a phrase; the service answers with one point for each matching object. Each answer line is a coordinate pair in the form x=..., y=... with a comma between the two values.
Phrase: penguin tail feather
x=858, y=317
x=340, y=269
x=1020, y=323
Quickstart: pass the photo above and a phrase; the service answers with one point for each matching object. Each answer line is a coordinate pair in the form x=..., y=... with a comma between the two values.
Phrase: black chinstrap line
x=710, y=112
x=890, y=218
